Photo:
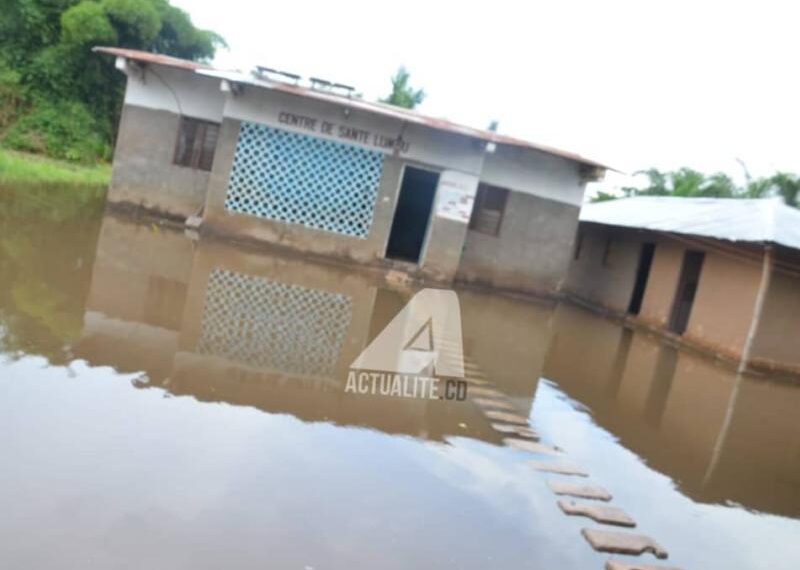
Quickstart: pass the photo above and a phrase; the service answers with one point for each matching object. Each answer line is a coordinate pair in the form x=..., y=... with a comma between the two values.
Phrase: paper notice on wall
x=455, y=195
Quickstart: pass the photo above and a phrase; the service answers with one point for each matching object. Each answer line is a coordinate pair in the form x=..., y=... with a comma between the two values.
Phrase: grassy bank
x=23, y=168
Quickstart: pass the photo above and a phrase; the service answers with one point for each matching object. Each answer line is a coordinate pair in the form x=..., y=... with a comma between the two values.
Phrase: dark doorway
x=410, y=223
x=687, y=287
x=642, y=273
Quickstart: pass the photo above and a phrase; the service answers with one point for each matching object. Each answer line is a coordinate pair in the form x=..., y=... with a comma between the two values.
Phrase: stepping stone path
x=621, y=565
x=562, y=468
x=515, y=429
x=600, y=513
x=622, y=542
x=488, y=403
x=503, y=418
x=532, y=446
x=579, y=490
x=488, y=392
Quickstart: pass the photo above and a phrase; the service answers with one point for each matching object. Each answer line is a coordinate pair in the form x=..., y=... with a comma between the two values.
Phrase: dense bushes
x=61, y=129
x=59, y=98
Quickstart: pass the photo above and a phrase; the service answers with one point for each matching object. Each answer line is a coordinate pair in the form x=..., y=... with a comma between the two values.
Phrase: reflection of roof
x=384, y=109
x=767, y=220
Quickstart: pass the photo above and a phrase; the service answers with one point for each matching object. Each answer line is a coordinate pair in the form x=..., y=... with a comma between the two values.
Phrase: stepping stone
x=579, y=490
x=490, y=392
x=532, y=446
x=600, y=513
x=475, y=376
x=622, y=542
x=620, y=565
x=514, y=429
x=489, y=403
x=560, y=467
x=505, y=417
x=474, y=380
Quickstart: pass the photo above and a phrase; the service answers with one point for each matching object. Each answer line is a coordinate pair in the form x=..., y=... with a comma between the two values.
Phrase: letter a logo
x=424, y=337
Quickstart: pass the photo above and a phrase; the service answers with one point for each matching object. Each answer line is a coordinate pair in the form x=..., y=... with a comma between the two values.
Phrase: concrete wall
x=532, y=250
x=725, y=301
x=178, y=91
x=725, y=298
x=536, y=173
x=608, y=285
x=662, y=284
x=426, y=148
x=301, y=238
x=777, y=342
x=143, y=174
x=531, y=253
x=425, y=145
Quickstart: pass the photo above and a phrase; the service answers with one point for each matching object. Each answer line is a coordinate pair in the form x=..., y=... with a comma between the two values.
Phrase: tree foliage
x=56, y=95
x=687, y=182
x=403, y=95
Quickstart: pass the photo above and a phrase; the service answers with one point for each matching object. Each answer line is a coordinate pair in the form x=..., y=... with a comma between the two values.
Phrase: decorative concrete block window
x=300, y=179
x=196, y=142
x=488, y=210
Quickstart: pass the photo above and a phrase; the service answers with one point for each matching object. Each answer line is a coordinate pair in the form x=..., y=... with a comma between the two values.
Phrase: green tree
x=403, y=95
x=690, y=183
x=64, y=100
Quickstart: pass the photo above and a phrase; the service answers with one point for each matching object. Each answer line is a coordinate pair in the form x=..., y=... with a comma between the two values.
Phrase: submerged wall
x=320, y=178
x=314, y=138
x=604, y=274
x=144, y=174
x=531, y=252
x=777, y=341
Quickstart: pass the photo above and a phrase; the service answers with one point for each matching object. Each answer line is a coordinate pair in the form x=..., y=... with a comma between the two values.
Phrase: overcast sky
x=633, y=84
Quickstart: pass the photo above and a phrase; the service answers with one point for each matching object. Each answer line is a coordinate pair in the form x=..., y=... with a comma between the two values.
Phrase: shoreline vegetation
x=25, y=168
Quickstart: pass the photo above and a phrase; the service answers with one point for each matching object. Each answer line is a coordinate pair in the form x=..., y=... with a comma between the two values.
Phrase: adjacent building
x=315, y=169
x=723, y=274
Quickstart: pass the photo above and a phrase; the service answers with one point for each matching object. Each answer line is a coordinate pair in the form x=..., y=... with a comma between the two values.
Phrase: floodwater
x=175, y=403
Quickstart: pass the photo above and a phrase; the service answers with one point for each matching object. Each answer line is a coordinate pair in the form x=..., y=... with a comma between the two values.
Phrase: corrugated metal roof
x=767, y=220
x=354, y=103
x=153, y=58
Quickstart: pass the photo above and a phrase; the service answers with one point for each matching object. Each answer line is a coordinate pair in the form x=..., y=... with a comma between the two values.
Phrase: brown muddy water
x=176, y=403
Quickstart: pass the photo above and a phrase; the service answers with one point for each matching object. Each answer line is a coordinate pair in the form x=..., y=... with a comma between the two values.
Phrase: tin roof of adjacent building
x=766, y=220
x=383, y=109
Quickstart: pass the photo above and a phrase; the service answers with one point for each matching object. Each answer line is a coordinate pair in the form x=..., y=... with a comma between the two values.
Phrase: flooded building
x=723, y=274
x=315, y=169
x=163, y=386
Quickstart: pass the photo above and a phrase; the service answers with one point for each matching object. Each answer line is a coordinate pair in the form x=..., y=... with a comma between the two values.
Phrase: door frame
x=680, y=288
x=424, y=249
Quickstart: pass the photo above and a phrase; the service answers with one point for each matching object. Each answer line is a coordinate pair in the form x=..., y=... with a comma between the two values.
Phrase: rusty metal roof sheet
x=149, y=57
x=766, y=220
x=384, y=109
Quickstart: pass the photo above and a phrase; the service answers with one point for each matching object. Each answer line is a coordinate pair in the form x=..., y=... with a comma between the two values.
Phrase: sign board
x=455, y=195
x=342, y=132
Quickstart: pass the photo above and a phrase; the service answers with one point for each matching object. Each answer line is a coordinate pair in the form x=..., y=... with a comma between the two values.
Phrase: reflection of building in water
x=272, y=325
x=279, y=334
x=688, y=416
